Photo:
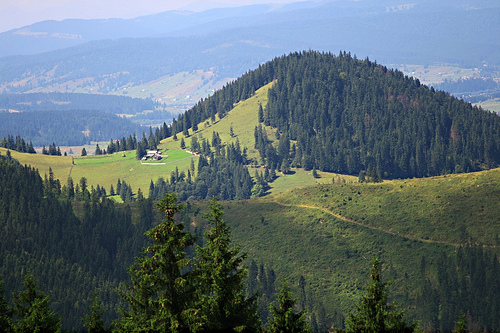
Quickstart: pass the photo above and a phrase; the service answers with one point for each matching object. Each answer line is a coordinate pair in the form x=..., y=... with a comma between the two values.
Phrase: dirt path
x=349, y=220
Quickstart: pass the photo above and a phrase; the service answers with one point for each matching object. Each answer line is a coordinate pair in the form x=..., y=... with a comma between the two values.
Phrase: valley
x=284, y=164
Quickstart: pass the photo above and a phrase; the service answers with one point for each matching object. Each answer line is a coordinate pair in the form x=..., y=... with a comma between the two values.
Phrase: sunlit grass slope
x=242, y=118
x=105, y=170
x=455, y=209
x=61, y=165
x=330, y=233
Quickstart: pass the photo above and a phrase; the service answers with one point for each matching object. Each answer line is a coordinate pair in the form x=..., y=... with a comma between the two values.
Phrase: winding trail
x=349, y=220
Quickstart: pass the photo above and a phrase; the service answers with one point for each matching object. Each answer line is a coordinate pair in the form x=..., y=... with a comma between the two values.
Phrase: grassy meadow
x=453, y=209
x=105, y=170
x=61, y=165
x=329, y=233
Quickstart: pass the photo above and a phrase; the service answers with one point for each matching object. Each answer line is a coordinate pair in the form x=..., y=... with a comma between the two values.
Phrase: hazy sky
x=18, y=13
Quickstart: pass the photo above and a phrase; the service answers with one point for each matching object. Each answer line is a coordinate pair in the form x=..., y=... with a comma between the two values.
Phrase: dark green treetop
x=283, y=317
x=93, y=322
x=219, y=267
x=162, y=293
x=5, y=313
x=461, y=324
x=31, y=310
x=374, y=313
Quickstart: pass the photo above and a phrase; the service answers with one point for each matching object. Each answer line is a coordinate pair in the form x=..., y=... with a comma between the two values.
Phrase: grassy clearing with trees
x=105, y=170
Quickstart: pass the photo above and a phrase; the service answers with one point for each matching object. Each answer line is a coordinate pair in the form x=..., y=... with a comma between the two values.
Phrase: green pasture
x=332, y=255
x=300, y=178
x=61, y=165
x=105, y=170
x=329, y=233
x=453, y=209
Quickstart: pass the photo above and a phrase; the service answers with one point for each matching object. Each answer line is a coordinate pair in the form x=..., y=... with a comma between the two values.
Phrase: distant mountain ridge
x=331, y=25
x=50, y=35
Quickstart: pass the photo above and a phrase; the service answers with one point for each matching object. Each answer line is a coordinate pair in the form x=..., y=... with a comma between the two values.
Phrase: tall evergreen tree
x=374, y=314
x=261, y=114
x=32, y=311
x=93, y=322
x=5, y=313
x=223, y=301
x=283, y=316
x=461, y=324
x=161, y=294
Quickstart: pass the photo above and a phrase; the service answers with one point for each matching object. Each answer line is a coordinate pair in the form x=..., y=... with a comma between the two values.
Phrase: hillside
x=327, y=233
x=333, y=114
x=438, y=237
x=340, y=114
x=324, y=235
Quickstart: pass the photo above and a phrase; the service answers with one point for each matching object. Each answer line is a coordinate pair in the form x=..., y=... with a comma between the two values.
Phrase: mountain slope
x=315, y=235
x=326, y=233
x=354, y=116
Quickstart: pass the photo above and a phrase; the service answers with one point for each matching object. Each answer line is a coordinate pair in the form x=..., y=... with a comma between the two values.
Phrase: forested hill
x=348, y=115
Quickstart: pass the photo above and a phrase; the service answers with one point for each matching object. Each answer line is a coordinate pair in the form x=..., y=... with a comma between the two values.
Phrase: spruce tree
x=283, y=317
x=261, y=114
x=32, y=311
x=5, y=313
x=374, y=314
x=161, y=294
x=223, y=302
x=461, y=324
x=93, y=322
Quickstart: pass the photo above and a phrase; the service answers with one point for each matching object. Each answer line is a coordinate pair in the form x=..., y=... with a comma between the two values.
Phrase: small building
x=155, y=155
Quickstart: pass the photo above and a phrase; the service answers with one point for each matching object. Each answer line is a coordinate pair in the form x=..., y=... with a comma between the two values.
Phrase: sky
x=19, y=13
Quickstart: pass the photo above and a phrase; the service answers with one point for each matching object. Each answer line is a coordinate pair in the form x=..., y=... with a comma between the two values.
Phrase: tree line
x=66, y=127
